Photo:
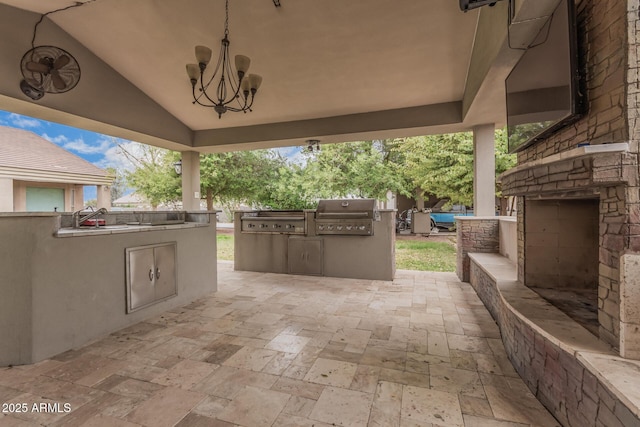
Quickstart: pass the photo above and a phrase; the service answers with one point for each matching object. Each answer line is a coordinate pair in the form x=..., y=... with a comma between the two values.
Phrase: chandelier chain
x=226, y=19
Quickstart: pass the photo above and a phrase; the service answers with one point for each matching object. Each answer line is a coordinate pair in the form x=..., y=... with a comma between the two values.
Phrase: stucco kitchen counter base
x=62, y=288
x=120, y=229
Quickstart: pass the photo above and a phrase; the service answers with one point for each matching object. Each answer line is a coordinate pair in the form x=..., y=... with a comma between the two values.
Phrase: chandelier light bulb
x=203, y=55
x=242, y=64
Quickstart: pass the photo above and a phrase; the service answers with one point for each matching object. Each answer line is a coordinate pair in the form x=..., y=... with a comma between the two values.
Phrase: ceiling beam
x=332, y=129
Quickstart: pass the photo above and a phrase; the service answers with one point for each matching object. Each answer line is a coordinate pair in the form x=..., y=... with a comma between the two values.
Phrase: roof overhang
x=334, y=71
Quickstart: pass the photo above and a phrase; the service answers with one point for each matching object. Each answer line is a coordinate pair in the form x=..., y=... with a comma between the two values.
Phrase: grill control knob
x=330, y=227
x=264, y=226
x=276, y=225
x=349, y=227
x=321, y=227
x=288, y=226
x=251, y=225
x=361, y=227
x=339, y=227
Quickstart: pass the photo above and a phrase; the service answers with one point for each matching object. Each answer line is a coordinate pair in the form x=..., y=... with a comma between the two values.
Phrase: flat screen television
x=543, y=89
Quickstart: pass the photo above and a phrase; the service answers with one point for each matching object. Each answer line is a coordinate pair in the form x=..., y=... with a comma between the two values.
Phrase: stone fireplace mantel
x=579, y=170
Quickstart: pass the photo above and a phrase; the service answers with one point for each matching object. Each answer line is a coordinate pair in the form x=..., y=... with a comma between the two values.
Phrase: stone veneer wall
x=609, y=33
x=574, y=395
x=475, y=234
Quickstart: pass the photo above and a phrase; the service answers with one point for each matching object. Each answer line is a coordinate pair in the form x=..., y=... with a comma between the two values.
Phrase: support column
x=103, y=196
x=191, y=180
x=6, y=195
x=484, y=170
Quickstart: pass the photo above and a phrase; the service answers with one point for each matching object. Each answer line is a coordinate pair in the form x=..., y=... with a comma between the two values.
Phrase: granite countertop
x=123, y=228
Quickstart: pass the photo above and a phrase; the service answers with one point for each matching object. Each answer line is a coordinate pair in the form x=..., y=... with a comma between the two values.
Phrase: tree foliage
x=362, y=169
x=119, y=185
x=443, y=164
x=236, y=177
x=154, y=176
x=438, y=164
x=289, y=190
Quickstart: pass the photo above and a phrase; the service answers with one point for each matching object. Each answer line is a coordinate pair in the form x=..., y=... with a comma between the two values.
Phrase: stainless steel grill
x=279, y=222
x=347, y=217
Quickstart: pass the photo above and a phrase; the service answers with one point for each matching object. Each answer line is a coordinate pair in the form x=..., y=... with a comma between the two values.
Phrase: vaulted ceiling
x=333, y=70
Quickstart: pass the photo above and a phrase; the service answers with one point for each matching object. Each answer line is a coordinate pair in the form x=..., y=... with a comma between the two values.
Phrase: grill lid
x=347, y=209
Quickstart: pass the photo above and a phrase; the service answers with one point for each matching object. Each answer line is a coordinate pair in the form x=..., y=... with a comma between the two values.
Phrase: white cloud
x=60, y=139
x=115, y=158
x=23, y=122
x=79, y=145
x=293, y=154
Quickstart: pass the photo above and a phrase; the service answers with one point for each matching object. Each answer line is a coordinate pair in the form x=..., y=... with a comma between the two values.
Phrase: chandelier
x=234, y=91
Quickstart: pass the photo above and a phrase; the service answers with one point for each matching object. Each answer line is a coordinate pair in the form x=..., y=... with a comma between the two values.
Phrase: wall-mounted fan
x=48, y=69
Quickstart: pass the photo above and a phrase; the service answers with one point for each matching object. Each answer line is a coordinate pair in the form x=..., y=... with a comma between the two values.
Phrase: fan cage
x=69, y=73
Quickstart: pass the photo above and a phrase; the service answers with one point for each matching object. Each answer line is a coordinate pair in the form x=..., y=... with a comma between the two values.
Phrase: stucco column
x=103, y=195
x=191, y=180
x=484, y=170
x=6, y=195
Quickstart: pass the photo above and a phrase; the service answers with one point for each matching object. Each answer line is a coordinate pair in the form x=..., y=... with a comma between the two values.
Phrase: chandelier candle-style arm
x=234, y=90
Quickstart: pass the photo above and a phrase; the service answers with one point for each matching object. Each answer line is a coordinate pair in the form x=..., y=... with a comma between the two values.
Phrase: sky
x=98, y=149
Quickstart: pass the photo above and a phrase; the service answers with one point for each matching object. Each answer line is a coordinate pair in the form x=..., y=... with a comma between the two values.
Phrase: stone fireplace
x=574, y=232
x=561, y=247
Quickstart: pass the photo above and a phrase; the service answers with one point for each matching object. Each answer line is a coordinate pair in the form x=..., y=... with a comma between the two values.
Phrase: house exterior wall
x=73, y=200
x=6, y=195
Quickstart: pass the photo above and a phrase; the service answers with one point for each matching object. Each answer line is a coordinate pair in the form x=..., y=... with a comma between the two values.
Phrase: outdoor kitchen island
x=63, y=287
x=342, y=238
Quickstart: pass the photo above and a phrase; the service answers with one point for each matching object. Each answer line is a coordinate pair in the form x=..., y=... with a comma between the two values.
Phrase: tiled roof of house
x=26, y=150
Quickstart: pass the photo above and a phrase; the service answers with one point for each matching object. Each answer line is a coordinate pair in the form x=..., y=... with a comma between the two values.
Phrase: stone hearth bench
x=577, y=377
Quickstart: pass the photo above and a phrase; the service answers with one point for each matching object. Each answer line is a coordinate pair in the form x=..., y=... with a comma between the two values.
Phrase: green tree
x=288, y=190
x=236, y=177
x=154, y=176
x=443, y=164
x=363, y=169
x=119, y=185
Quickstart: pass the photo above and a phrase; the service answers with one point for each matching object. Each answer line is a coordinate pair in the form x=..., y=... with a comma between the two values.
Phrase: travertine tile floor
x=278, y=350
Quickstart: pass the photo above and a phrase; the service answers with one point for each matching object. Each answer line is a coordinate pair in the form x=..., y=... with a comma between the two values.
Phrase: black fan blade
x=61, y=62
x=37, y=67
x=58, y=82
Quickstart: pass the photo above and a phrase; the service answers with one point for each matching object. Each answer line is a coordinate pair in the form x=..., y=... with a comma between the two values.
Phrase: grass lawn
x=425, y=256
x=410, y=254
x=225, y=246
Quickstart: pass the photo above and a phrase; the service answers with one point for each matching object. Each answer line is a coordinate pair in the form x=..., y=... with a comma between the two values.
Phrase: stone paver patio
x=279, y=350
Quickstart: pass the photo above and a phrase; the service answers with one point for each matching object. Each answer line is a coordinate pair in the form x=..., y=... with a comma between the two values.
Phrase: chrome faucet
x=77, y=220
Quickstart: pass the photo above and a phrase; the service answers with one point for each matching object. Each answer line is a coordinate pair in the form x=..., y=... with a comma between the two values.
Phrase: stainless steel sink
x=160, y=222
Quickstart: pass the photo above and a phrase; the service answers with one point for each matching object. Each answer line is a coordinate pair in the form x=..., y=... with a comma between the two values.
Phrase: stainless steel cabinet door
x=165, y=271
x=305, y=256
x=141, y=278
x=151, y=274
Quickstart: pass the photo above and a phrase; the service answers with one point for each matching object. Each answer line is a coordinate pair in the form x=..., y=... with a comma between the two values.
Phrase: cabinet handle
x=151, y=274
x=157, y=273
